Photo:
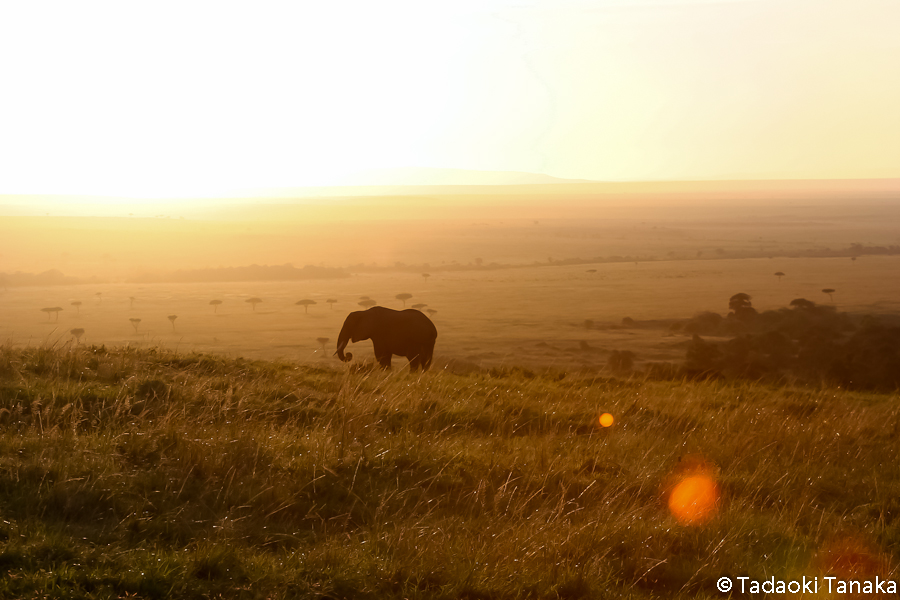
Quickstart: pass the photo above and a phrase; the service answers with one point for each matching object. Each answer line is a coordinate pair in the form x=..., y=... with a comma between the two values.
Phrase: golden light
x=693, y=500
x=606, y=420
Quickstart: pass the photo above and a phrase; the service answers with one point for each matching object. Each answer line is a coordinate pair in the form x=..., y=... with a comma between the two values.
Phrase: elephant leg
x=425, y=359
x=414, y=363
x=382, y=356
x=384, y=360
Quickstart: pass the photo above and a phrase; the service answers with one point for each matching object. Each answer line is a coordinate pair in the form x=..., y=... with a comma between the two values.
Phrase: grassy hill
x=151, y=474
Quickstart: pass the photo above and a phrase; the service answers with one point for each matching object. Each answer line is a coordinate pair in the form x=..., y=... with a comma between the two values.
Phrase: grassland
x=150, y=460
x=148, y=473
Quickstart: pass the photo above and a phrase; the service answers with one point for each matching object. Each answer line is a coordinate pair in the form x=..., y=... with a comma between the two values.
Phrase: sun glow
x=174, y=100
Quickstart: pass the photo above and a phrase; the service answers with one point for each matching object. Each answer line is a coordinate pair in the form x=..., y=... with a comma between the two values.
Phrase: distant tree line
x=478, y=264
x=852, y=251
x=860, y=250
x=50, y=277
x=286, y=272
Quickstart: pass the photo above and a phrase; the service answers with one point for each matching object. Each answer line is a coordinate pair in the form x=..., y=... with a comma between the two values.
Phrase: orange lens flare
x=693, y=500
x=606, y=420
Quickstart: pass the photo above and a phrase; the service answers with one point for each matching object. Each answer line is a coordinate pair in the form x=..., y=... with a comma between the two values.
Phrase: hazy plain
x=514, y=273
x=442, y=226
x=531, y=315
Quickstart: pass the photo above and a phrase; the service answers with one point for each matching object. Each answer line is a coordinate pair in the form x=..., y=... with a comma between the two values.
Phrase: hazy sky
x=177, y=98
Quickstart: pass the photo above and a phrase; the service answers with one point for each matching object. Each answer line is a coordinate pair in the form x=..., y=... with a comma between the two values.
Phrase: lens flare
x=606, y=420
x=693, y=494
x=693, y=501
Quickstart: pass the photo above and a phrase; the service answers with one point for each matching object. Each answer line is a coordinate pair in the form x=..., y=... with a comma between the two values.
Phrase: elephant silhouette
x=406, y=333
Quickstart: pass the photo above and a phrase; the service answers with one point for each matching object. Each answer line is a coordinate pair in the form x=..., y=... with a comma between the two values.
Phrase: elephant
x=406, y=333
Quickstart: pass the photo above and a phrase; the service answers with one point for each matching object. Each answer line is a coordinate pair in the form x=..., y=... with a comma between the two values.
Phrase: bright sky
x=184, y=98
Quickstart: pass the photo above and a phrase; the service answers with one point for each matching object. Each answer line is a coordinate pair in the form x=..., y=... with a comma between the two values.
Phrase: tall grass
x=150, y=474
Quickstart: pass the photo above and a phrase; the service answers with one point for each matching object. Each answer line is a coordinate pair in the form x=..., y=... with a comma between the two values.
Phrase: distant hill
x=455, y=182
x=412, y=180
x=418, y=191
x=433, y=176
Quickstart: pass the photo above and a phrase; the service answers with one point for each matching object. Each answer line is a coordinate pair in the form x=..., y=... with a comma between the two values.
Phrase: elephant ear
x=362, y=327
x=354, y=328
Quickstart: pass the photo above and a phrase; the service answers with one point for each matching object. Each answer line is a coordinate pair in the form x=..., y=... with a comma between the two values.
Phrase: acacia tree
x=426, y=276
x=431, y=312
x=77, y=333
x=135, y=323
x=53, y=309
x=215, y=304
x=172, y=320
x=404, y=297
x=739, y=301
x=368, y=303
x=131, y=299
x=99, y=298
x=419, y=306
x=305, y=304
x=330, y=302
x=803, y=304
x=779, y=275
x=322, y=341
x=253, y=302
x=741, y=306
x=829, y=291
x=77, y=304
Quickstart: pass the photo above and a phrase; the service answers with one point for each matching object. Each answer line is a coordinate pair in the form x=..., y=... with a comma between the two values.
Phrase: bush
x=621, y=361
x=807, y=342
x=704, y=323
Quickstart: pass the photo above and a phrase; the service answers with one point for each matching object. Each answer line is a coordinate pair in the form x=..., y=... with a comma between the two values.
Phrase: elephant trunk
x=343, y=339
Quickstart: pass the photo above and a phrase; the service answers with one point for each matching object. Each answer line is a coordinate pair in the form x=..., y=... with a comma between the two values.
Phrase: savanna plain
x=226, y=453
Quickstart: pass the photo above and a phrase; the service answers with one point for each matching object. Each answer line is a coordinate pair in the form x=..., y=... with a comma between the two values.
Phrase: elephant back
x=426, y=325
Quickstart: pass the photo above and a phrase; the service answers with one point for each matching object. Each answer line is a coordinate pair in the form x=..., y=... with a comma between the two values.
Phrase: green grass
x=142, y=473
